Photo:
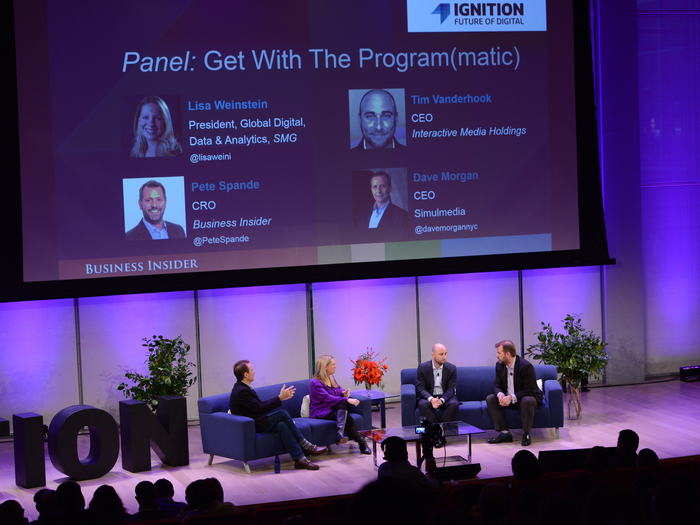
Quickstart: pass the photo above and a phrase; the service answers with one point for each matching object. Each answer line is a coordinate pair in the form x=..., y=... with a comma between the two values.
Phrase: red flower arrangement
x=369, y=369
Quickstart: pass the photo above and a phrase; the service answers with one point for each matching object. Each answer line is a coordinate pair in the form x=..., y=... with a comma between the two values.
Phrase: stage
x=665, y=415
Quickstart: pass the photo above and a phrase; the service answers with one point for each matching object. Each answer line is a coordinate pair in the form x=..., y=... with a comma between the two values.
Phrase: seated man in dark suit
x=515, y=387
x=436, y=391
x=436, y=387
x=268, y=415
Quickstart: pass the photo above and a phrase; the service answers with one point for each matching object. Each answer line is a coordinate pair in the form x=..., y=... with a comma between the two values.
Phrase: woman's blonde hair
x=320, y=373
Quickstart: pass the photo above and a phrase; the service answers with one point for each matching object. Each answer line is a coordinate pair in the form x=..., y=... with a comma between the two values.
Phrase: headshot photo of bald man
x=377, y=119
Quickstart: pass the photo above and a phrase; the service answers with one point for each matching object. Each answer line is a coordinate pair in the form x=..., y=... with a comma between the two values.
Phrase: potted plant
x=169, y=372
x=577, y=353
x=369, y=369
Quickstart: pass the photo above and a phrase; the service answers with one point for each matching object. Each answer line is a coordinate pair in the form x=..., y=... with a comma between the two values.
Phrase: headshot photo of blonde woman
x=153, y=130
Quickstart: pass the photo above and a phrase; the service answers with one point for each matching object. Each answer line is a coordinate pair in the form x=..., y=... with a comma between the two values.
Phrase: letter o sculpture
x=63, y=442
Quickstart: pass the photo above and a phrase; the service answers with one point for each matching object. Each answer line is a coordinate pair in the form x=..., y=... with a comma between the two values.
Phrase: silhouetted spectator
x=165, y=494
x=494, y=504
x=194, y=496
x=647, y=479
x=626, y=453
x=391, y=500
x=206, y=496
x=46, y=503
x=598, y=459
x=647, y=458
x=106, y=506
x=525, y=466
x=397, y=465
x=12, y=513
x=71, y=502
x=148, y=507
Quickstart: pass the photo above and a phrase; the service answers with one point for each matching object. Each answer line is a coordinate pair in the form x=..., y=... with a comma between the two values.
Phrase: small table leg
x=374, y=453
x=469, y=456
x=419, y=458
x=382, y=413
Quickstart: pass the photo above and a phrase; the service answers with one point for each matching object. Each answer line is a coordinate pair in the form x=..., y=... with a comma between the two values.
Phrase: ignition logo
x=490, y=16
x=443, y=10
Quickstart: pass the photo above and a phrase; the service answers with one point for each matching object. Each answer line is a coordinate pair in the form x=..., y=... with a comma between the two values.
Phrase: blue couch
x=234, y=437
x=474, y=383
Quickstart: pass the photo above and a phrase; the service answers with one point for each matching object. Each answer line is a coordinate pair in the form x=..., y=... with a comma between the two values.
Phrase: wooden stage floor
x=665, y=415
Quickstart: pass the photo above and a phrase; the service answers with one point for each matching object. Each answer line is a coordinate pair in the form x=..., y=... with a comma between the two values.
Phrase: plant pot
x=573, y=402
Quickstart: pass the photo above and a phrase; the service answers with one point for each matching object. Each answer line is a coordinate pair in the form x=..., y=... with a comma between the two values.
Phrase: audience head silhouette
x=525, y=465
x=164, y=488
x=46, y=503
x=145, y=494
x=647, y=458
x=11, y=513
x=70, y=497
x=107, y=504
x=395, y=449
x=628, y=441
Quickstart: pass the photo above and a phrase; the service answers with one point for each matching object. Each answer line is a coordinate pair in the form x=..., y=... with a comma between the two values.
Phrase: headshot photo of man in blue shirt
x=152, y=202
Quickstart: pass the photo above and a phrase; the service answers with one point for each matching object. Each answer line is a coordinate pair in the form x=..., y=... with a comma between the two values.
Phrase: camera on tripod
x=431, y=434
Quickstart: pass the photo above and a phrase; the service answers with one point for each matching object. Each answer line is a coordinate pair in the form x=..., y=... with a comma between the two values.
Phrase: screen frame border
x=593, y=248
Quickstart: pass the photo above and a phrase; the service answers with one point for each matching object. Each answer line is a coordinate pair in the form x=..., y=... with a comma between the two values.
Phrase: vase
x=573, y=402
x=368, y=386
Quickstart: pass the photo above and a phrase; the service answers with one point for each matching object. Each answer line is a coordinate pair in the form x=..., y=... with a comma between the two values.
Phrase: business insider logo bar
x=433, y=16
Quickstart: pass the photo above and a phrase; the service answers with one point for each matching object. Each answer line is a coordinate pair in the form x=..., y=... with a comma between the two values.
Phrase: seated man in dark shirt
x=268, y=415
x=397, y=465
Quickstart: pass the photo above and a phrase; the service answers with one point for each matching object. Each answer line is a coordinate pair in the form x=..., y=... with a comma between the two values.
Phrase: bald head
x=378, y=118
x=439, y=354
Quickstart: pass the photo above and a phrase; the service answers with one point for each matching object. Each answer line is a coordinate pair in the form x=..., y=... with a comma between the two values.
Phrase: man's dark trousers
x=526, y=405
x=445, y=412
x=279, y=422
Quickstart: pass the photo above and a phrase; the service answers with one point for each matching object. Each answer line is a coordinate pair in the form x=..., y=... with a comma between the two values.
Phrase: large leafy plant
x=577, y=353
x=169, y=372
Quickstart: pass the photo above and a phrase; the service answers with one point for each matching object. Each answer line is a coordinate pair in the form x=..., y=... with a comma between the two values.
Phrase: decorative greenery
x=577, y=353
x=369, y=369
x=169, y=370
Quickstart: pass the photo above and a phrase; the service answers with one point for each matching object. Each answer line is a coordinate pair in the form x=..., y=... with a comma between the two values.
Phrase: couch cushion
x=323, y=431
x=471, y=412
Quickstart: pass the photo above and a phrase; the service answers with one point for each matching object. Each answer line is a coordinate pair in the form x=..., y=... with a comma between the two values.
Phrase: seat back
x=215, y=403
x=474, y=383
x=219, y=402
x=545, y=372
x=292, y=405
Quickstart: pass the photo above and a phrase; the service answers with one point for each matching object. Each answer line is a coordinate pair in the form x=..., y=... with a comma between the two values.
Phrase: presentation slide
x=169, y=136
